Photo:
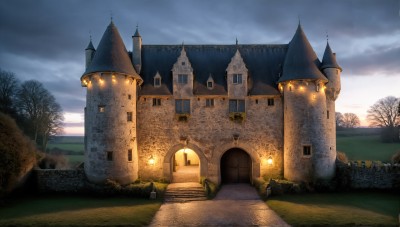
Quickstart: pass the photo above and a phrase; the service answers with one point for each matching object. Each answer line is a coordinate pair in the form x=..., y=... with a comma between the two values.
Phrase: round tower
x=110, y=113
x=307, y=154
x=332, y=71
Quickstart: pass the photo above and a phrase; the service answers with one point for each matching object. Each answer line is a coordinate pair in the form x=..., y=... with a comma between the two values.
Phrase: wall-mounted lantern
x=269, y=160
x=151, y=160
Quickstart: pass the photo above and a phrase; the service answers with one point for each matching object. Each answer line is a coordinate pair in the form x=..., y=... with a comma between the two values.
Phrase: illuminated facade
x=229, y=113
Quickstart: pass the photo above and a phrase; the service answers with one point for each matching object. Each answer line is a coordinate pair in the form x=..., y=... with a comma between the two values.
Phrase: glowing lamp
x=269, y=160
x=151, y=160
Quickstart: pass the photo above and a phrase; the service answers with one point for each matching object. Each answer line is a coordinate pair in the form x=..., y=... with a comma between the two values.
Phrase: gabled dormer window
x=157, y=80
x=237, y=78
x=182, y=78
x=210, y=84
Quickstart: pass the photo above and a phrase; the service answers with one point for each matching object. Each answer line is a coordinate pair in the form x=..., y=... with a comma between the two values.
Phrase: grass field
x=367, y=147
x=366, y=209
x=78, y=211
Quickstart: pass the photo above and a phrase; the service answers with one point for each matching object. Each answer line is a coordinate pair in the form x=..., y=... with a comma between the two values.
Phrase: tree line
x=33, y=107
x=385, y=114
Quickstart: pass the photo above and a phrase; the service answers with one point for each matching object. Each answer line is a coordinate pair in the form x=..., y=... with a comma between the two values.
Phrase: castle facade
x=229, y=113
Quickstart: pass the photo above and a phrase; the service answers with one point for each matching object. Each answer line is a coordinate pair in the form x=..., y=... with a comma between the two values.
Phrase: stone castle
x=229, y=113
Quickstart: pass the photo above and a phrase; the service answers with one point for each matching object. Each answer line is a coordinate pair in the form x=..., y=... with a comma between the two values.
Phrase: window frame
x=271, y=101
x=181, y=104
x=238, y=107
x=237, y=78
x=129, y=116
x=157, y=82
x=130, y=155
x=156, y=101
x=183, y=78
x=307, y=151
x=210, y=102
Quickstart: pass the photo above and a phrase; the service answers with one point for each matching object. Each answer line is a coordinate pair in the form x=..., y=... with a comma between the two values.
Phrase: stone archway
x=235, y=166
x=168, y=160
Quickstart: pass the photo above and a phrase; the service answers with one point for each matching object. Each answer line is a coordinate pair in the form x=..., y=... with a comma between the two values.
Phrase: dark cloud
x=45, y=39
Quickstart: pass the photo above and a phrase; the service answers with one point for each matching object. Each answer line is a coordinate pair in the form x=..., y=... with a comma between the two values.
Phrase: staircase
x=184, y=192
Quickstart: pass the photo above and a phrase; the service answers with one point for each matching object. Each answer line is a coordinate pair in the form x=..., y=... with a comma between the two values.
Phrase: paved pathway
x=235, y=205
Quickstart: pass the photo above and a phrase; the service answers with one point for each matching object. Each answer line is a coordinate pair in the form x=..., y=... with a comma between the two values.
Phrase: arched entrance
x=235, y=166
x=185, y=165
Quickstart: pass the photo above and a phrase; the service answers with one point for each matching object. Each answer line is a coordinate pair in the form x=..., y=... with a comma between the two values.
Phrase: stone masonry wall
x=383, y=176
x=51, y=180
x=210, y=133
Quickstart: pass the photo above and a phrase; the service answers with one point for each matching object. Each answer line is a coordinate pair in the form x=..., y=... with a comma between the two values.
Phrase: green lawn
x=76, y=147
x=75, y=159
x=78, y=211
x=366, y=208
x=366, y=148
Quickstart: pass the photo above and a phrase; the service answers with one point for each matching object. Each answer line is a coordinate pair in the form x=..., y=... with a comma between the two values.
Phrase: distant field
x=366, y=148
x=334, y=209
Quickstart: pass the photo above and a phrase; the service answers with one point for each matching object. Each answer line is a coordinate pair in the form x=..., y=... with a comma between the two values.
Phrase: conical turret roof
x=137, y=34
x=90, y=46
x=329, y=59
x=111, y=55
x=301, y=62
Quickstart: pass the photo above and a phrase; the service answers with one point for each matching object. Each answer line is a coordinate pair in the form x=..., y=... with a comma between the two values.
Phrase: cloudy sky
x=45, y=40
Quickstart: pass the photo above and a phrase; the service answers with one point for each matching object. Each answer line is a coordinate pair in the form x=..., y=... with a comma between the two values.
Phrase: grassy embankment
x=78, y=211
x=73, y=145
x=365, y=209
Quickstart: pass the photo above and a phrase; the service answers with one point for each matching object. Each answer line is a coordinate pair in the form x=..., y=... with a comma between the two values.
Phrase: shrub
x=396, y=158
x=261, y=185
x=53, y=161
x=210, y=187
x=17, y=154
x=341, y=156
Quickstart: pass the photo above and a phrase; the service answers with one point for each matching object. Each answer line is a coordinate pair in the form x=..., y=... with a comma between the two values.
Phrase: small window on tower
x=306, y=150
x=271, y=102
x=129, y=116
x=156, y=102
x=109, y=155
x=129, y=97
x=129, y=155
x=183, y=63
x=101, y=109
x=327, y=114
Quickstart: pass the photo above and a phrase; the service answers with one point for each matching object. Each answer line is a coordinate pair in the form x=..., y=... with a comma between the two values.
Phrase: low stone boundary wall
x=54, y=180
x=371, y=175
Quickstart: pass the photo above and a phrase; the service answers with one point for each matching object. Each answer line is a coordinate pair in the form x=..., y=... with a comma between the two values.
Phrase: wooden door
x=235, y=167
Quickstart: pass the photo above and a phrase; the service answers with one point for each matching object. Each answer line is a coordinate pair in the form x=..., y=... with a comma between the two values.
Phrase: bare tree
x=339, y=119
x=43, y=113
x=385, y=112
x=8, y=89
x=350, y=120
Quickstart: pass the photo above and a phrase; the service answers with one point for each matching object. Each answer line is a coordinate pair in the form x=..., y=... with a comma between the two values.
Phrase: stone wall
x=370, y=176
x=53, y=180
x=209, y=132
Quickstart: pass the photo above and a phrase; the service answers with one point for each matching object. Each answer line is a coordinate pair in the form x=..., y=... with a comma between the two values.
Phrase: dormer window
x=209, y=84
x=237, y=78
x=157, y=80
x=182, y=78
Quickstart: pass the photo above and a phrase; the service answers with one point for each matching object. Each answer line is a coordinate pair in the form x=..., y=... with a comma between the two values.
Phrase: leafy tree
x=17, y=154
x=350, y=120
x=8, y=89
x=42, y=113
x=385, y=113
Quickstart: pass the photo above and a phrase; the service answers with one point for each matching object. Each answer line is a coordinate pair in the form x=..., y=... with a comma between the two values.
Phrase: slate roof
x=329, y=59
x=90, y=46
x=301, y=62
x=264, y=64
x=111, y=55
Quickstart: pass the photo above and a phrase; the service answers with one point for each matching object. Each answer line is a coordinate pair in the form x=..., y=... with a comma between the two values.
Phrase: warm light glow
x=151, y=160
x=101, y=81
x=269, y=160
x=113, y=79
x=301, y=88
x=85, y=82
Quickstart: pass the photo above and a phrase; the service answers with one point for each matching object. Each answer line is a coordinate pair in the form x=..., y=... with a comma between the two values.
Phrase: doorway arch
x=168, y=160
x=236, y=166
x=185, y=166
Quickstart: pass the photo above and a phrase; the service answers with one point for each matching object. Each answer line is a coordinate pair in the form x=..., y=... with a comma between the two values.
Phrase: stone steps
x=184, y=193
